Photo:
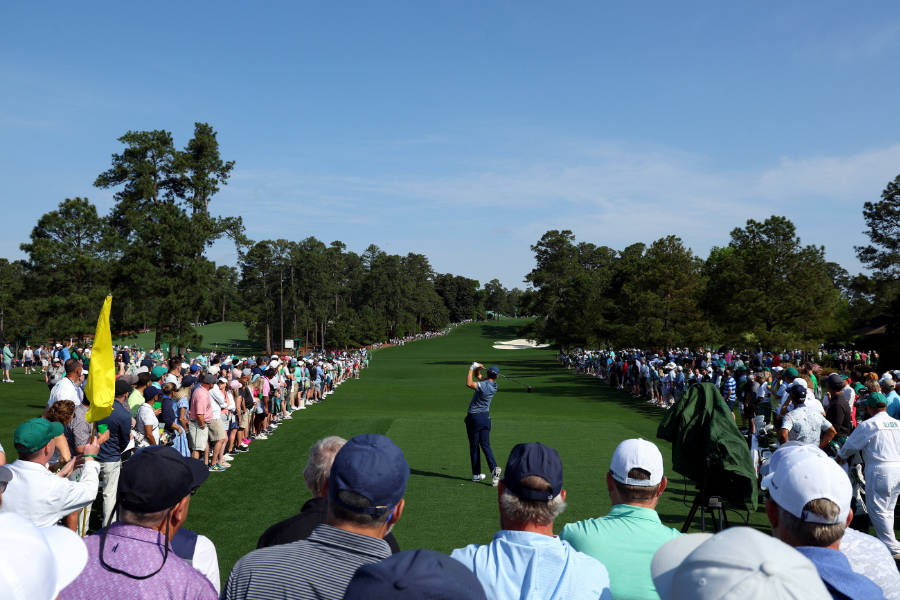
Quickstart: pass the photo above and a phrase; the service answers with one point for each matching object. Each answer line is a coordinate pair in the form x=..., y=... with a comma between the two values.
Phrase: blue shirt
x=481, y=399
x=520, y=564
x=119, y=423
x=841, y=580
x=893, y=404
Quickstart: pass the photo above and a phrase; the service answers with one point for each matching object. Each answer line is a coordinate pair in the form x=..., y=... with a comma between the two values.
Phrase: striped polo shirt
x=319, y=567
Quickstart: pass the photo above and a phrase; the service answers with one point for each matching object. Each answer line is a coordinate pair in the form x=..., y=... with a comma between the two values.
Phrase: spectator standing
x=134, y=556
x=878, y=440
x=365, y=500
x=315, y=510
x=525, y=559
x=37, y=494
x=809, y=509
x=69, y=387
x=200, y=416
x=7, y=363
x=626, y=539
x=118, y=424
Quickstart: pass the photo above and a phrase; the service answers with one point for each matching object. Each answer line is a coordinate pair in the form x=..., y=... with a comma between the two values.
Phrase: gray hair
x=321, y=457
x=814, y=534
x=531, y=511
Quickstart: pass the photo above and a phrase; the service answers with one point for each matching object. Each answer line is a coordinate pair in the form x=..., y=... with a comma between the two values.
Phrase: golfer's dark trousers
x=478, y=426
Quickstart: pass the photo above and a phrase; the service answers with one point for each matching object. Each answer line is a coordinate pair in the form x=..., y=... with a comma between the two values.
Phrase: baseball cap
x=157, y=372
x=188, y=380
x=876, y=399
x=533, y=458
x=494, y=369
x=39, y=561
x=143, y=369
x=122, y=386
x=246, y=373
x=34, y=434
x=184, y=365
x=637, y=453
x=222, y=380
x=802, y=476
x=412, y=575
x=792, y=372
x=786, y=450
x=157, y=478
x=130, y=378
x=739, y=562
x=151, y=392
x=194, y=368
x=235, y=384
x=372, y=466
x=209, y=378
x=836, y=380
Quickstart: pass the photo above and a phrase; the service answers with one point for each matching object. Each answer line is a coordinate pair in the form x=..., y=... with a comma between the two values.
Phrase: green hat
x=157, y=372
x=34, y=434
x=858, y=387
x=876, y=399
x=792, y=372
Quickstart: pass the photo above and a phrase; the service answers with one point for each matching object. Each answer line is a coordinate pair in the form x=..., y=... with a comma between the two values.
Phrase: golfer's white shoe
x=479, y=477
x=495, y=477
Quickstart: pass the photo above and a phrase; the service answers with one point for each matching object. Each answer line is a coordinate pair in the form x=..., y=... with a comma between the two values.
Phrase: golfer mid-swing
x=478, y=421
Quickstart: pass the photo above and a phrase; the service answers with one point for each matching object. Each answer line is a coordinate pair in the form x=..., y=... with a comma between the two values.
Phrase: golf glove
x=475, y=365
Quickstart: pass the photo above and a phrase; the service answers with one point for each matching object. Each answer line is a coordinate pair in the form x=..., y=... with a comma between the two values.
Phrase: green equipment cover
x=707, y=447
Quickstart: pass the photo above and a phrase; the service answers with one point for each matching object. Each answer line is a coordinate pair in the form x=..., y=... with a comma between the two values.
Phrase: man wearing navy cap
x=365, y=500
x=413, y=575
x=133, y=557
x=478, y=421
x=525, y=552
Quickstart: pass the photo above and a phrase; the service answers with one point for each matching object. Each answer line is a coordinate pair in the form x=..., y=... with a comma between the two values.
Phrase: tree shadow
x=433, y=474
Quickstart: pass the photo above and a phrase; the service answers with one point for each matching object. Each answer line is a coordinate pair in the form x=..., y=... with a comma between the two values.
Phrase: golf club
x=528, y=388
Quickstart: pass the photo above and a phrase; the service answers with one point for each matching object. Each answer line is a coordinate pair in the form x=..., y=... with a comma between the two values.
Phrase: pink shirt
x=200, y=404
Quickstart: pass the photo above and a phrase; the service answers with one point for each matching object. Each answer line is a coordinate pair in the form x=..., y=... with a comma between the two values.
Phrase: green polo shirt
x=625, y=541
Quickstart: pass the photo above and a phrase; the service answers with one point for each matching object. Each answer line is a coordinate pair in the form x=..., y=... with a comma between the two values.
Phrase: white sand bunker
x=518, y=345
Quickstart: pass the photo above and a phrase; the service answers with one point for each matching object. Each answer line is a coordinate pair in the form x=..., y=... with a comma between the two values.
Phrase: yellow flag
x=101, y=383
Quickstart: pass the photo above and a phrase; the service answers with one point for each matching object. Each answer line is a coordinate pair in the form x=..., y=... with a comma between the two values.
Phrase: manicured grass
x=415, y=394
x=226, y=335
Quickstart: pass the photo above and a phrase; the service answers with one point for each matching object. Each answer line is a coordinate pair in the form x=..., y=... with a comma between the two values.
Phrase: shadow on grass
x=433, y=474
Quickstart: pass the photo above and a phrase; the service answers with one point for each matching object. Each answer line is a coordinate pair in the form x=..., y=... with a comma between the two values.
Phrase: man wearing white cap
x=738, y=562
x=878, y=440
x=626, y=539
x=38, y=562
x=867, y=555
x=809, y=509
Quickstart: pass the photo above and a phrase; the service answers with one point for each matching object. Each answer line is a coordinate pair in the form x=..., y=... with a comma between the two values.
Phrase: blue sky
x=464, y=130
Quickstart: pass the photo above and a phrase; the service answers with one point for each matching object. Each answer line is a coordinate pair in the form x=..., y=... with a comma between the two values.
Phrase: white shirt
x=878, y=439
x=206, y=560
x=65, y=389
x=146, y=416
x=218, y=401
x=43, y=497
x=868, y=556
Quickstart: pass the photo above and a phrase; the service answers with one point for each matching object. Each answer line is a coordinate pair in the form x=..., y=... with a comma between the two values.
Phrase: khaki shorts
x=216, y=430
x=198, y=436
x=245, y=419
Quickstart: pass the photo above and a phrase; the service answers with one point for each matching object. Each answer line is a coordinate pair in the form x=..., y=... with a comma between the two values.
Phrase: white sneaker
x=287, y=416
x=495, y=477
x=479, y=477
x=262, y=436
x=227, y=458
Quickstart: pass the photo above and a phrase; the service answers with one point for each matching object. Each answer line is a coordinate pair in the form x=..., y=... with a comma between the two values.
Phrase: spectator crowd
x=834, y=454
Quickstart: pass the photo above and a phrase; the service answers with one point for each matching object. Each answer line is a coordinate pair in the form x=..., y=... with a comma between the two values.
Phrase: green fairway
x=229, y=336
x=416, y=395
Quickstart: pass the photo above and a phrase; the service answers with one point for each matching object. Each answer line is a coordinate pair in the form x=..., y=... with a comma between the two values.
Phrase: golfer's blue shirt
x=520, y=564
x=481, y=399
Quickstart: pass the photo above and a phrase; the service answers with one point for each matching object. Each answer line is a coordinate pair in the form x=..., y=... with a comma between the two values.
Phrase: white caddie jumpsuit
x=878, y=440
